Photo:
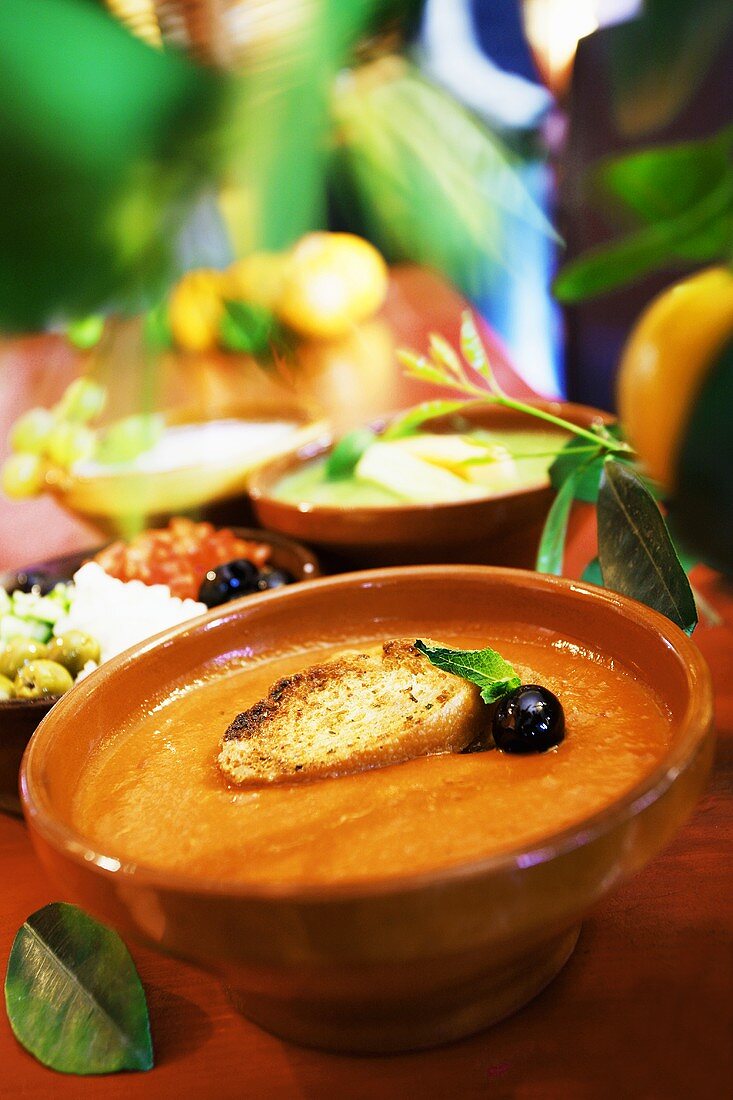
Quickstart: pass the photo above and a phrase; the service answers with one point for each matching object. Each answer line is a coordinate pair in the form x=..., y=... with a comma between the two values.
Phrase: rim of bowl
x=302, y=426
x=697, y=720
x=266, y=475
x=307, y=561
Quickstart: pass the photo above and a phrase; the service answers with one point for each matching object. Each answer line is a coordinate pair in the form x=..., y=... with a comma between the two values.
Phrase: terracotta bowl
x=19, y=718
x=391, y=964
x=498, y=530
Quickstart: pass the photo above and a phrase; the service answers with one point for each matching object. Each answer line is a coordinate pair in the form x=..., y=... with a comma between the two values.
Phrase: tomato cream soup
x=153, y=794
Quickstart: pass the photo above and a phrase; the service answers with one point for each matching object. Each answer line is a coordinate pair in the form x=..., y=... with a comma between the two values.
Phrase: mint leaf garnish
x=345, y=455
x=484, y=667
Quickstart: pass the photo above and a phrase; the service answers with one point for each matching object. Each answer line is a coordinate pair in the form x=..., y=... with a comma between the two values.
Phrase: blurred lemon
x=258, y=278
x=665, y=362
x=333, y=281
x=195, y=309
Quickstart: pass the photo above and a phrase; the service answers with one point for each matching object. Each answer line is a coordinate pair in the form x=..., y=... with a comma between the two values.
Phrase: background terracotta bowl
x=498, y=530
x=19, y=717
x=390, y=964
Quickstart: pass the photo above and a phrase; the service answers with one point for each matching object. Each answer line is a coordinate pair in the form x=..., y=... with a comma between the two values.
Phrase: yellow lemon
x=258, y=278
x=195, y=309
x=665, y=362
x=333, y=281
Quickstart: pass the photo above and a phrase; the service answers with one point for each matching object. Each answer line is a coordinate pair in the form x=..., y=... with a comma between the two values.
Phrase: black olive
x=229, y=582
x=273, y=578
x=529, y=719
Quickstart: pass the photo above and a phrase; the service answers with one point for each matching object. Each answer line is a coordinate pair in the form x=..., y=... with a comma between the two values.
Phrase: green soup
x=430, y=468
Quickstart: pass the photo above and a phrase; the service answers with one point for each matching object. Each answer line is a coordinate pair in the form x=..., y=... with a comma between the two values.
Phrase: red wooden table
x=643, y=1008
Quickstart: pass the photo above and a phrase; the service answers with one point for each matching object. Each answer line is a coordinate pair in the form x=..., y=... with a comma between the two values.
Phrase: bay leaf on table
x=73, y=995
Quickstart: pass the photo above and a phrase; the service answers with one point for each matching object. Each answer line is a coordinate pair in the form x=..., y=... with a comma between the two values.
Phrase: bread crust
x=358, y=711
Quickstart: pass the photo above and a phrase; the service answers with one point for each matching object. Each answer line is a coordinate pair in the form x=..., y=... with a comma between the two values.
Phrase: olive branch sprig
x=444, y=367
x=636, y=554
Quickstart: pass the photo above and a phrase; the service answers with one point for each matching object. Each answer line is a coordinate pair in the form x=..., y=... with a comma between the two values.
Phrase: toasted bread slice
x=363, y=710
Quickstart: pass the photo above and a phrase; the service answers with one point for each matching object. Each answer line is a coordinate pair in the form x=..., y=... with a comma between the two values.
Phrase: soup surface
x=430, y=469
x=152, y=794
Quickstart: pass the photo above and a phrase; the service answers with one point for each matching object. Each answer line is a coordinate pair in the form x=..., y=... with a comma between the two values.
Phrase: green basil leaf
x=73, y=996
x=484, y=667
x=346, y=453
x=246, y=327
x=409, y=422
x=592, y=573
x=637, y=555
x=552, y=544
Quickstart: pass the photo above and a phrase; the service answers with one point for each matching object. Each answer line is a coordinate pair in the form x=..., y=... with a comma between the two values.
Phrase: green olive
x=6, y=689
x=73, y=650
x=42, y=680
x=17, y=652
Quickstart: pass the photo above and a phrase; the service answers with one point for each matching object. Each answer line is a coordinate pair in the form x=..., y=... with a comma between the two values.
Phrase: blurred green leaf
x=247, y=327
x=86, y=332
x=358, y=20
x=105, y=143
x=663, y=182
x=73, y=996
x=431, y=184
x=156, y=328
x=552, y=544
x=659, y=60
x=636, y=554
x=700, y=234
x=278, y=124
x=680, y=198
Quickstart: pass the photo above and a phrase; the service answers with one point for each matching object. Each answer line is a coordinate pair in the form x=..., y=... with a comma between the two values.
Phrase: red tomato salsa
x=179, y=555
